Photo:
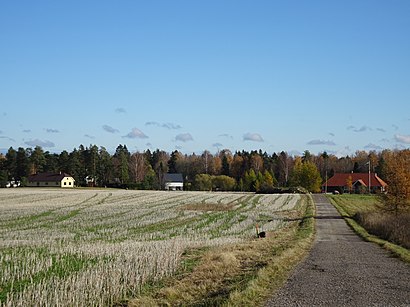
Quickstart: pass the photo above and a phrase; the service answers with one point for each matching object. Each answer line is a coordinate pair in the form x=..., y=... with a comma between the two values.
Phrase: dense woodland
x=240, y=171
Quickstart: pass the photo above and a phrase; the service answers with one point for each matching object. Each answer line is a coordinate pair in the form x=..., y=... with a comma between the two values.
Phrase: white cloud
x=152, y=124
x=89, y=136
x=361, y=129
x=254, y=137
x=136, y=134
x=402, y=138
x=120, y=110
x=381, y=129
x=37, y=142
x=26, y=130
x=373, y=146
x=110, y=129
x=226, y=135
x=170, y=126
x=321, y=142
x=184, y=137
x=49, y=130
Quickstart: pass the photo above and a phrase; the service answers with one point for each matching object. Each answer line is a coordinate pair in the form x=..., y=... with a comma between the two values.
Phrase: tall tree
x=105, y=168
x=22, y=163
x=397, y=172
x=283, y=168
x=256, y=163
x=306, y=175
x=172, y=163
x=37, y=160
x=76, y=168
x=138, y=167
x=64, y=161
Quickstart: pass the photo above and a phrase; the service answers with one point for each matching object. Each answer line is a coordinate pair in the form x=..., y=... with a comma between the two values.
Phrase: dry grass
x=388, y=226
x=242, y=274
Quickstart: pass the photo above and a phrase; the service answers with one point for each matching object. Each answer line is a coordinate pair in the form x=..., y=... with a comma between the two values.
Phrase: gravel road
x=344, y=270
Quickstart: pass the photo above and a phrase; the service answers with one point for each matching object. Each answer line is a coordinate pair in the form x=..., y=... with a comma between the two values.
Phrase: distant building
x=173, y=182
x=354, y=183
x=60, y=180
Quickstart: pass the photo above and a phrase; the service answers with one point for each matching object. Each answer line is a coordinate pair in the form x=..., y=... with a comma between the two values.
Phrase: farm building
x=62, y=180
x=354, y=183
x=173, y=182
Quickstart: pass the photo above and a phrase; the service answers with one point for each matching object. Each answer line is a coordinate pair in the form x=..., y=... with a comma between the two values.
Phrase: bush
x=391, y=227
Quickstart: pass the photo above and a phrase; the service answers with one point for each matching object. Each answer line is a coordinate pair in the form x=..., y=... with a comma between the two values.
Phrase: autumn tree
x=397, y=176
x=349, y=183
x=138, y=167
x=250, y=181
x=223, y=183
x=203, y=182
x=306, y=175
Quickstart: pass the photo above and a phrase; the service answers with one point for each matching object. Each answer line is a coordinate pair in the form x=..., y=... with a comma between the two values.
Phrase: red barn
x=354, y=183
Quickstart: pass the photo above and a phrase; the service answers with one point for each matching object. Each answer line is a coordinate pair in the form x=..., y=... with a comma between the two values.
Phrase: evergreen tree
x=22, y=163
x=37, y=160
x=11, y=163
x=225, y=166
x=172, y=163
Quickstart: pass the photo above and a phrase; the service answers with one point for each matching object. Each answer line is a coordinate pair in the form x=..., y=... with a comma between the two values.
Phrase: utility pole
x=370, y=185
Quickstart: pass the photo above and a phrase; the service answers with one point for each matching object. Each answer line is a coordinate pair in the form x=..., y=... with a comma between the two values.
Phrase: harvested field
x=99, y=247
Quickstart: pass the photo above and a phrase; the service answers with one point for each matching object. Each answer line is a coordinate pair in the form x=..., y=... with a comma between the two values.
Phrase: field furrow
x=97, y=247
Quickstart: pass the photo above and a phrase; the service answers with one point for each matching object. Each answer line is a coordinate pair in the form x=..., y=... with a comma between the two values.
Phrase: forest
x=255, y=171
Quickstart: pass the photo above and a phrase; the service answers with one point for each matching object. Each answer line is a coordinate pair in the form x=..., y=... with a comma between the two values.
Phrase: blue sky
x=205, y=75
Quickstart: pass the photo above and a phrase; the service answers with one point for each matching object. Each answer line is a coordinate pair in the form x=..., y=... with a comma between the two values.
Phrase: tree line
x=255, y=171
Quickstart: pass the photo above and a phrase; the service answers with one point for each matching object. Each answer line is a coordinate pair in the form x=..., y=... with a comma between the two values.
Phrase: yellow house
x=59, y=180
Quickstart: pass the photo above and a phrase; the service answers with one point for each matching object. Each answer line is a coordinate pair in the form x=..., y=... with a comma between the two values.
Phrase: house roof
x=340, y=179
x=176, y=177
x=44, y=177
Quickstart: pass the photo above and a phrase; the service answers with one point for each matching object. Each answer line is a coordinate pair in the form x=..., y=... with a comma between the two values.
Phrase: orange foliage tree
x=397, y=173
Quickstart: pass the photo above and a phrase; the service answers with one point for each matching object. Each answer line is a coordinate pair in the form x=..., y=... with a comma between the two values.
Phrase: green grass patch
x=62, y=266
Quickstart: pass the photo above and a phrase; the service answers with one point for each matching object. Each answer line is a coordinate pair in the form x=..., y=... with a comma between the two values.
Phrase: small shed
x=59, y=180
x=173, y=182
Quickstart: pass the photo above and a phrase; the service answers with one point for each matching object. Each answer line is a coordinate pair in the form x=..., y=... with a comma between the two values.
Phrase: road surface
x=344, y=270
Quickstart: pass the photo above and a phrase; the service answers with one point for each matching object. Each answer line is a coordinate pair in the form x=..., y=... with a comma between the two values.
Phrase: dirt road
x=343, y=270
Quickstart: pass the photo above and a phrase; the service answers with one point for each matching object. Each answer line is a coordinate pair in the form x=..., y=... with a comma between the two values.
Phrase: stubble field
x=98, y=247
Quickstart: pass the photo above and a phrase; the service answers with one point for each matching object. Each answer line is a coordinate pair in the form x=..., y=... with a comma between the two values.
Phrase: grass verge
x=237, y=275
x=346, y=208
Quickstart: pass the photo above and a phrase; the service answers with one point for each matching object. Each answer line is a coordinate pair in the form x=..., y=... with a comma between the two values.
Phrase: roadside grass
x=363, y=215
x=242, y=274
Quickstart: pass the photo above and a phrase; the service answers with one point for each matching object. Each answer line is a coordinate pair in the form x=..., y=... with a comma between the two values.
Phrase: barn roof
x=340, y=179
x=44, y=177
x=173, y=177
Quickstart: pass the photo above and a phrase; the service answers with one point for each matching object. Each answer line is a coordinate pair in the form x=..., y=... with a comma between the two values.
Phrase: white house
x=173, y=182
x=60, y=180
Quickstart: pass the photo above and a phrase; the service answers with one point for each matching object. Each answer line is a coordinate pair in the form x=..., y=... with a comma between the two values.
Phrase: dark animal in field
x=261, y=234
